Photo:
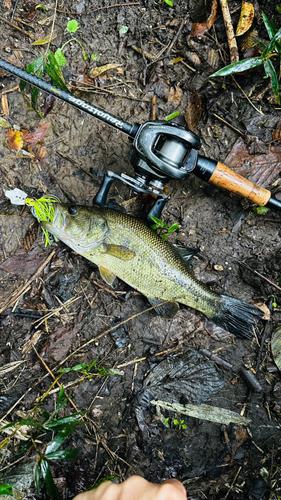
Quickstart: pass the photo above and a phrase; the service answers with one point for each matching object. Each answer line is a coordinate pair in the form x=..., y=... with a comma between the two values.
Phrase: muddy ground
x=124, y=434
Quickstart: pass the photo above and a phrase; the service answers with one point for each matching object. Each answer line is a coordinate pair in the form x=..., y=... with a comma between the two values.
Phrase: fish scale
x=125, y=247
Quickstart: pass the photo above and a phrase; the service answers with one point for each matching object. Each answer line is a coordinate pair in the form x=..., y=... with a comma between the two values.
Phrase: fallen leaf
x=198, y=29
x=264, y=309
x=14, y=140
x=261, y=169
x=175, y=95
x=37, y=135
x=60, y=342
x=276, y=134
x=48, y=104
x=276, y=347
x=103, y=69
x=24, y=264
x=246, y=18
x=4, y=123
x=45, y=40
x=193, y=111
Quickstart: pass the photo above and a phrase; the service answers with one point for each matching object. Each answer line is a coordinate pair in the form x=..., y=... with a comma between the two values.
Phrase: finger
x=98, y=493
x=179, y=488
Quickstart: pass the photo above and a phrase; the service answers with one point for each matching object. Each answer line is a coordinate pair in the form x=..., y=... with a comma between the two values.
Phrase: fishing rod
x=162, y=151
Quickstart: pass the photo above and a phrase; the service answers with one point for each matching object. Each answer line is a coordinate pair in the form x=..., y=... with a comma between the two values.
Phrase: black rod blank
x=98, y=113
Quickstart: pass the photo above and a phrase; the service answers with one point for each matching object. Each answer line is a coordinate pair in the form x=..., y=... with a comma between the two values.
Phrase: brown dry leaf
x=198, y=29
x=246, y=18
x=264, y=308
x=261, y=169
x=14, y=140
x=37, y=135
x=24, y=264
x=103, y=69
x=45, y=40
x=175, y=95
x=276, y=134
x=193, y=111
x=61, y=340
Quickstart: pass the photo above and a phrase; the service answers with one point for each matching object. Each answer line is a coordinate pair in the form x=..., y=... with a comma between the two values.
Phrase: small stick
x=248, y=99
x=17, y=27
x=117, y=5
x=216, y=359
x=10, y=90
x=239, y=131
x=18, y=294
x=259, y=275
x=234, y=54
x=153, y=108
x=264, y=337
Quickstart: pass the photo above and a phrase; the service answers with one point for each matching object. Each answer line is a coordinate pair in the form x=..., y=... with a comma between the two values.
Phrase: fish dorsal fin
x=186, y=253
x=118, y=251
x=107, y=275
x=168, y=310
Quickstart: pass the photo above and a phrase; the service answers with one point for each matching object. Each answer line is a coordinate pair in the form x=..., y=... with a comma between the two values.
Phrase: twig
x=259, y=275
x=248, y=99
x=216, y=359
x=233, y=482
x=10, y=90
x=183, y=21
x=234, y=54
x=18, y=294
x=111, y=329
x=52, y=31
x=153, y=113
x=17, y=27
x=117, y=5
x=239, y=131
x=264, y=336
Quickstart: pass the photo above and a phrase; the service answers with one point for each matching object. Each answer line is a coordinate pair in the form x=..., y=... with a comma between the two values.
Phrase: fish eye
x=72, y=210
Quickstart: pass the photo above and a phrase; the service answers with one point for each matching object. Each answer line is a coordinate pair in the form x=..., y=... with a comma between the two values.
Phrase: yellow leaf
x=14, y=140
x=246, y=18
x=103, y=69
x=45, y=40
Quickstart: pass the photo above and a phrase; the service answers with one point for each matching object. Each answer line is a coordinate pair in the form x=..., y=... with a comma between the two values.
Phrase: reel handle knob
x=101, y=196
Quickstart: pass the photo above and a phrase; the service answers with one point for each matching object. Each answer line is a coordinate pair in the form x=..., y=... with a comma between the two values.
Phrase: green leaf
x=60, y=58
x=95, y=57
x=154, y=226
x=72, y=26
x=35, y=91
x=173, y=228
x=92, y=365
x=176, y=422
x=62, y=454
x=37, y=477
x=172, y=115
x=82, y=366
x=184, y=426
x=59, y=438
x=260, y=210
x=48, y=478
x=278, y=9
x=159, y=222
x=169, y=2
x=56, y=424
x=123, y=30
x=270, y=72
x=272, y=45
x=54, y=72
x=164, y=237
x=103, y=480
x=40, y=6
x=45, y=414
x=239, y=66
x=65, y=370
x=61, y=394
x=6, y=489
x=33, y=67
x=270, y=28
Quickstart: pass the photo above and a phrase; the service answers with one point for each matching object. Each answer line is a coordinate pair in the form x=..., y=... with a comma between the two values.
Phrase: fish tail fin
x=236, y=316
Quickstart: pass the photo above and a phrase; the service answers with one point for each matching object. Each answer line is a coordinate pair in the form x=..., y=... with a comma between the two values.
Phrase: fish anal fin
x=118, y=251
x=107, y=275
x=168, y=310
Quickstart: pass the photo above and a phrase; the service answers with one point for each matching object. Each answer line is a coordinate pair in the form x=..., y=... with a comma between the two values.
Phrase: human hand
x=136, y=488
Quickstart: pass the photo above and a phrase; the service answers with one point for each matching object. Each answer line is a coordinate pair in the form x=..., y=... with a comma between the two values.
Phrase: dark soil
x=124, y=434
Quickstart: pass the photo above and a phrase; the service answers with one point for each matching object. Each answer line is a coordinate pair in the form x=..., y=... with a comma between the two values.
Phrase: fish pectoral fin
x=168, y=310
x=186, y=253
x=118, y=251
x=107, y=275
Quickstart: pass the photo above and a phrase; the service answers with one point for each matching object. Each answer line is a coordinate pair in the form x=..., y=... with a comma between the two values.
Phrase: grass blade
x=270, y=28
x=59, y=438
x=6, y=489
x=271, y=73
x=62, y=454
x=239, y=66
x=48, y=478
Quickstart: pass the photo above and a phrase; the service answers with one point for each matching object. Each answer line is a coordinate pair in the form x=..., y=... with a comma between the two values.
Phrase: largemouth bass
x=124, y=247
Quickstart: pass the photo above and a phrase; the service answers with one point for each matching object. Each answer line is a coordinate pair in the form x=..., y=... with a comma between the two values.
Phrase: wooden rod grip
x=225, y=178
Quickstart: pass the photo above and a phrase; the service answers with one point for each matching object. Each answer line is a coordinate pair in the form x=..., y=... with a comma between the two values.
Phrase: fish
x=125, y=247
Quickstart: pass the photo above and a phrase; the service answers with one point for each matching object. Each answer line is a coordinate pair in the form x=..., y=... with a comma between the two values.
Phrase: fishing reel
x=162, y=152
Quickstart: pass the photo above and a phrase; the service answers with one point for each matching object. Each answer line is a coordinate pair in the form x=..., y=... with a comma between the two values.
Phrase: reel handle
x=223, y=177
